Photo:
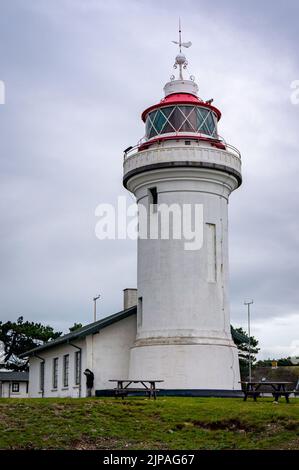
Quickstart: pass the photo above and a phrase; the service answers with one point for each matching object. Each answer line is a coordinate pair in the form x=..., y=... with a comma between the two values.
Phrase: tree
x=19, y=337
x=243, y=349
x=76, y=326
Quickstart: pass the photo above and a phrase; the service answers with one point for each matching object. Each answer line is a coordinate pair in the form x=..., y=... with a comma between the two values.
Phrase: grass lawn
x=139, y=423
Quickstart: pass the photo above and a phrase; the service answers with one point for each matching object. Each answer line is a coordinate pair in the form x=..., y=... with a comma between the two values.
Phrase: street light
x=95, y=307
x=248, y=303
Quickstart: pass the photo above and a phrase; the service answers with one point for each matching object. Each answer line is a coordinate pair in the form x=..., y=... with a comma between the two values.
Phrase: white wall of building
x=72, y=390
x=111, y=352
x=105, y=353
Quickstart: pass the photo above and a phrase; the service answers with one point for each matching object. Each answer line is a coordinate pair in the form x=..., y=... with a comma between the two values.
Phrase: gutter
x=43, y=360
x=80, y=375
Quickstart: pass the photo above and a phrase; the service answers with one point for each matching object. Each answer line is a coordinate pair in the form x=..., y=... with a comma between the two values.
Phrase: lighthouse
x=183, y=320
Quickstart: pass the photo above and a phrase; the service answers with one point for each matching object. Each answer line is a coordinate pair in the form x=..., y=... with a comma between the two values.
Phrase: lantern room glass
x=181, y=119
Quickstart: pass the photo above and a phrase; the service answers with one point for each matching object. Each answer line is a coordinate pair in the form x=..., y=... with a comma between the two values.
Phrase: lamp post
x=248, y=303
x=95, y=307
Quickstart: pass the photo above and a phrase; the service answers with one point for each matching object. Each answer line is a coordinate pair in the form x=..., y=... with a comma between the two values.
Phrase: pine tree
x=243, y=349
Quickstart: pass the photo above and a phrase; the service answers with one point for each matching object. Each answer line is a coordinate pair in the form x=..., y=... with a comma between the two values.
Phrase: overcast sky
x=78, y=74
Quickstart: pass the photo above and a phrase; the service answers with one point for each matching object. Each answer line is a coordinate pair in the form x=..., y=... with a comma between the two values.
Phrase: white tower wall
x=183, y=330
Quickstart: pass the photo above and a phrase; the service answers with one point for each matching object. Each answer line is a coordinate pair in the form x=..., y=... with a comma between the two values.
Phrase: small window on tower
x=139, y=312
x=211, y=253
x=153, y=197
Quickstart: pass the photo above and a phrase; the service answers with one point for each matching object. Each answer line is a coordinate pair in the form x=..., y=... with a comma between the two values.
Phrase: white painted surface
x=49, y=391
x=111, y=353
x=187, y=366
x=181, y=86
x=105, y=353
x=170, y=151
x=184, y=337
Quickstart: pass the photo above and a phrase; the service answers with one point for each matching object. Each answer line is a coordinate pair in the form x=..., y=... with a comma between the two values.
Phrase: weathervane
x=180, y=59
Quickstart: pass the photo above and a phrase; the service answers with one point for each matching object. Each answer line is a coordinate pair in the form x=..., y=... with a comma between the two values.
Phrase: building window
x=55, y=372
x=66, y=360
x=77, y=367
x=15, y=388
x=153, y=198
x=211, y=253
x=180, y=118
x=42, y=376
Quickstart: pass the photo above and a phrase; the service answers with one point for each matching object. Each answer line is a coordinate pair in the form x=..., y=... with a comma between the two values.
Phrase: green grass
x=139, y=423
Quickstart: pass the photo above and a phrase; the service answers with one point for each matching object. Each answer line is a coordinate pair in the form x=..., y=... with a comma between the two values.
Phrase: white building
x=14, y=384
x=57, y=367
x=182, y=332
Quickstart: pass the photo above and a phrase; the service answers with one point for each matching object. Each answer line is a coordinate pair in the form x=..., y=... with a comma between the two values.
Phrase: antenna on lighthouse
x=180, y=59
x=179, y=42
x=180, y=35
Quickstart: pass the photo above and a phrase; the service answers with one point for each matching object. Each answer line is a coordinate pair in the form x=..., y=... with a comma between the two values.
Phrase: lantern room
x=181, y=113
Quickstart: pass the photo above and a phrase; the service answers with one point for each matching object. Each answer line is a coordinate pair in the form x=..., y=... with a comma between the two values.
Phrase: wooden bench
x=254, y=389
x=123, y=388
x=253, y=394
x=276, y=395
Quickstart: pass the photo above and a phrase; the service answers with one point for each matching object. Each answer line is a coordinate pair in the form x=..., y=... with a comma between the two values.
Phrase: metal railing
x=133, y=150
x=233, y=149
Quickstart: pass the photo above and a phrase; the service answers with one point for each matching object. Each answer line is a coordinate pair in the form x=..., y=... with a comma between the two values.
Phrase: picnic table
x=277, y=389
x=123, y=388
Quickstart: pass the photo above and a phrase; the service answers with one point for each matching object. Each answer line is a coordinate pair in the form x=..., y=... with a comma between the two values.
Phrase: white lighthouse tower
x=183, y=320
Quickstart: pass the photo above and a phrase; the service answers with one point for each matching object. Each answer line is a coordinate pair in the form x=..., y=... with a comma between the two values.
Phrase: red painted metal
x=213, y=142
x=180, y=98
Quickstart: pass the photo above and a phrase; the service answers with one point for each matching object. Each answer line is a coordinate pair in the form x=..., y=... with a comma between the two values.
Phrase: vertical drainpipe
x=43, y=360
x=80, y=349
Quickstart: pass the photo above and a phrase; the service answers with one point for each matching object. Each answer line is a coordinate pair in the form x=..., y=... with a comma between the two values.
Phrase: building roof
x=15, y=376
x=82, y=332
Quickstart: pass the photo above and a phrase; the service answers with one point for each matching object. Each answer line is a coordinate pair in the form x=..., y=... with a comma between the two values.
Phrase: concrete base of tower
x=193, y=367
